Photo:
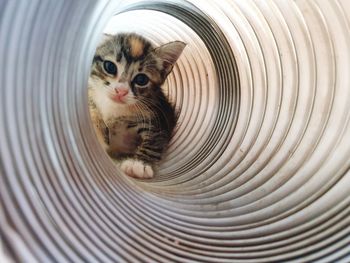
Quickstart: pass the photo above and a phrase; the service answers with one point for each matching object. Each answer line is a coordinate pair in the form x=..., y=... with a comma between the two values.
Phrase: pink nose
x=121, y=92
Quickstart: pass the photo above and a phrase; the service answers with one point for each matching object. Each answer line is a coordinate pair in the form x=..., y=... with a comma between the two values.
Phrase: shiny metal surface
x=258, y=170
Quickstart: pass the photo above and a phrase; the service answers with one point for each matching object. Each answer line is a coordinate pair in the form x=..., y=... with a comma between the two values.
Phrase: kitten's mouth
x=118, y=98
x=120, y=95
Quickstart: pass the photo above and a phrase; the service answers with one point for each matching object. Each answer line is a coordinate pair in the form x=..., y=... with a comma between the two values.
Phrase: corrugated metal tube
x=258, y=170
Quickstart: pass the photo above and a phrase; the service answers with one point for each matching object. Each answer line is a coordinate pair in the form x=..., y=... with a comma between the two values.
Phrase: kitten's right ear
x=169, y=54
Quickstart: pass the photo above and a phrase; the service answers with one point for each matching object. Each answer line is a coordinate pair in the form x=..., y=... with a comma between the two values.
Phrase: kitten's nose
x=121, y=92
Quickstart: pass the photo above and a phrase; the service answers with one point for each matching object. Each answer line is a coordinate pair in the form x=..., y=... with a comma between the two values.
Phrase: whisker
x=143, y=109
x=153, y=104
x=149, y=109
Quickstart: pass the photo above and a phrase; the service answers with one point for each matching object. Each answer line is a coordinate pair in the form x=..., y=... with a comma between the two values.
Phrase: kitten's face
x=127, y=69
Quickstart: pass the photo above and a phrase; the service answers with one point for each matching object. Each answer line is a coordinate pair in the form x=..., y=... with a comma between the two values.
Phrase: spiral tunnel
x=258, y=170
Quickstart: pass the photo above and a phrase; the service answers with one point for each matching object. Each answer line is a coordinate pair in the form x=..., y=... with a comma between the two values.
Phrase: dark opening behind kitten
x=133, y=119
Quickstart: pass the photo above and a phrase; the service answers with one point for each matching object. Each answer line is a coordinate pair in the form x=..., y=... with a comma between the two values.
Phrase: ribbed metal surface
x=258, y=170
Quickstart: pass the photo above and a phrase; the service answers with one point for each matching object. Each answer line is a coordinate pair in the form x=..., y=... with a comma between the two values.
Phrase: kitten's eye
x=141, y=79
x=110, y=67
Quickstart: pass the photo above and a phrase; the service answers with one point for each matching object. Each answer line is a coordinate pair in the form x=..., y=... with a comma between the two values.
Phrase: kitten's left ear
x=169, y=53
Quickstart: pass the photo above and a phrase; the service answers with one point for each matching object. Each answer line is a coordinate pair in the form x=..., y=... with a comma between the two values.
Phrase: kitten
x=133, y=119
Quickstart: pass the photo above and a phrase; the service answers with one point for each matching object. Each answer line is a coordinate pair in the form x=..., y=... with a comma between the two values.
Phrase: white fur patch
x=108, y=108
x=136, y=169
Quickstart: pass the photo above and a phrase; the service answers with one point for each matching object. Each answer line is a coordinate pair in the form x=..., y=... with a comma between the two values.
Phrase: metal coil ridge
x=258, y=170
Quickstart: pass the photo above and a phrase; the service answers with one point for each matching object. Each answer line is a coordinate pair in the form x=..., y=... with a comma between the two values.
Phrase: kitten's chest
x=123, y=136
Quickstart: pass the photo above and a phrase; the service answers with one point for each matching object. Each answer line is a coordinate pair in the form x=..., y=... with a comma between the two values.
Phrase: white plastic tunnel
x=258, y=170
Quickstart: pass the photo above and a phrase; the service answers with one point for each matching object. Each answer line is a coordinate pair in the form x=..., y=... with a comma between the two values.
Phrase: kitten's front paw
x=136, y=169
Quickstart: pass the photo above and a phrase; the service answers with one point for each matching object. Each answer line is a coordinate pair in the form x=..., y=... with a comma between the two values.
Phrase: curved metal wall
x=258, y=170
